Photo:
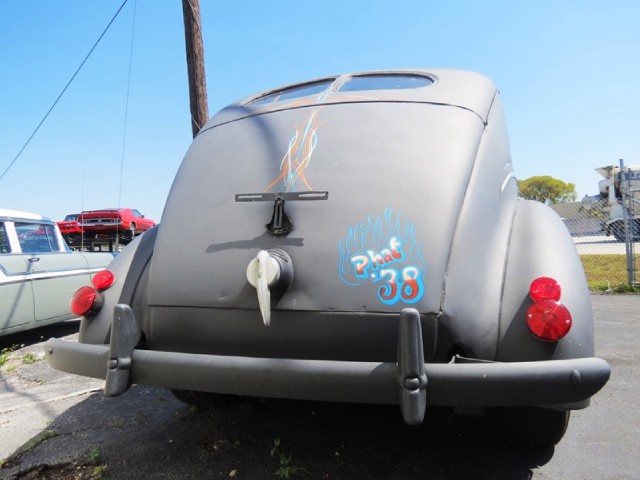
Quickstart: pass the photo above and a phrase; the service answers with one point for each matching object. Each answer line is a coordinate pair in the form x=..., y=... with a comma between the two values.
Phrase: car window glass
x=385, y=82
x=4, y=242
x=37, y=237
x=294, y=92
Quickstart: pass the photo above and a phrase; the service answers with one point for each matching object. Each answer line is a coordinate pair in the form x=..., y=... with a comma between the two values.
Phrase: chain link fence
x=609, y=249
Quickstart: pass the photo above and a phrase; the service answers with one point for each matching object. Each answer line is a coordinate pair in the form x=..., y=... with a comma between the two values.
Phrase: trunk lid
x=395, y=173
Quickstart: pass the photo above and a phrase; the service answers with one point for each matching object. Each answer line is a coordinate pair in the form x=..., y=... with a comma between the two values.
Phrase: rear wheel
x=635, y=229
x=205, y=400
x=617, y=229
x=531, y=426
x=128, y=235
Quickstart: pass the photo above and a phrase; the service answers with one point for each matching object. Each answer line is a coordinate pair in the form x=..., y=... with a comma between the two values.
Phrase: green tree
x=547, y=189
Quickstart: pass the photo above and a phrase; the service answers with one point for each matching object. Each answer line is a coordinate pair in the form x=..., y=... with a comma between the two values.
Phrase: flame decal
x=384, y=249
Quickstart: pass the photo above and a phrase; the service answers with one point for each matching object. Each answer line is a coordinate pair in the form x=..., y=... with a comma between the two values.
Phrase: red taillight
x=544, y=288
x=103, y=280
x=86, y=300
x=548, y=320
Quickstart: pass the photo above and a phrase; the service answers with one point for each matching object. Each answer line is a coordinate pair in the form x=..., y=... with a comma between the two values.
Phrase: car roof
x=7, y=214
x=457, y=88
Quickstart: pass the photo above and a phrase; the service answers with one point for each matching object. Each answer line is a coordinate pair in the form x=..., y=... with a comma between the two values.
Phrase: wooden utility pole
x=195, y=64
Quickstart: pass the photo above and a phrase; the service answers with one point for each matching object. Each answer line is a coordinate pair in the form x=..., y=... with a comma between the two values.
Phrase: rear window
x=295, y=92
x=385, y=82
x=381, y=81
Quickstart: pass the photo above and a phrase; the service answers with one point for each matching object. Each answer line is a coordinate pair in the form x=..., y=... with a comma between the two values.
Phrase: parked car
x=124, y=223
x=70, y=228
x=38, y=272
x=354, y=238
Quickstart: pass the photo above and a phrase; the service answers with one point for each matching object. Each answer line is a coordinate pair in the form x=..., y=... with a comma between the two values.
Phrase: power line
x=126, y=108
x=63, y=91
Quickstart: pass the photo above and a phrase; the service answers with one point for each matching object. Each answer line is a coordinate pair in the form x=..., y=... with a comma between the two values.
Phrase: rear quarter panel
x=473, y=282
x=541, y=246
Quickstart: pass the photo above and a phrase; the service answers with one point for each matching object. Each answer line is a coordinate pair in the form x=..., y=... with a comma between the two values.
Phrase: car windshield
x=37, y=237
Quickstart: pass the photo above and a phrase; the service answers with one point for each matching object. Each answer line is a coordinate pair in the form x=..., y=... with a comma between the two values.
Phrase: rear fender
x=131, y=271
x=473, y=285
x=540, y=245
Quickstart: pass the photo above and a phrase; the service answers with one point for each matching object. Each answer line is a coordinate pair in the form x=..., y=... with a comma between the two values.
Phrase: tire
x=617, y=229
x=205, y=400
x=635, y=230
x=128, y=235
x=185, y=396
x=531, y=426
x=131, y=233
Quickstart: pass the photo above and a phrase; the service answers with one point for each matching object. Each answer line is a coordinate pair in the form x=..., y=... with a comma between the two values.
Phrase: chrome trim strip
x=26, y=277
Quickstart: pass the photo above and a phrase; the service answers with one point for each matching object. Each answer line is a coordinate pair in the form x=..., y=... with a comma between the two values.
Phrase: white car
x=38, y=271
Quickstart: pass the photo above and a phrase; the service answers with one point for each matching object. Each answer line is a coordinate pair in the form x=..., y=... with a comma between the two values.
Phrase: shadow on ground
x=147, y=433
x=38, y=335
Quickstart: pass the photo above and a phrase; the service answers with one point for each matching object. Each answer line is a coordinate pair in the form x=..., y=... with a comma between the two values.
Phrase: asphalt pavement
x=54, y=425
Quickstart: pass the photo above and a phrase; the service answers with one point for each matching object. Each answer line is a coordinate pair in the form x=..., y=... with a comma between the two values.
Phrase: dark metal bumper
x=410, y=382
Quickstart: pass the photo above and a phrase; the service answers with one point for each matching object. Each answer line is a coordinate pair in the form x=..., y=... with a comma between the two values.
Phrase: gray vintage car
x=38, y=272
x=353, y=238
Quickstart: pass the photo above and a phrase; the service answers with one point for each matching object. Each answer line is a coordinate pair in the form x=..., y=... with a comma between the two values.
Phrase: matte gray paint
x=441, y=156
x=385, y=167
x=467, y=384
x=540, y=245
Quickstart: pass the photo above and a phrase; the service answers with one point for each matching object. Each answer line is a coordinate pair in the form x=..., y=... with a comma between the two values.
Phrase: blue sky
x=567, y=71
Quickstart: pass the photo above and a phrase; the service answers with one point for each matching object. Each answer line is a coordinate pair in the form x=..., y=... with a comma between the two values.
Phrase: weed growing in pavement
x=29, y=358
x=37, y=440
x=5, y=352
x=285, y=470
x=94, y=459
x=98, y=472
x=4, y=356
x=94, y=455
x=117, y=423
